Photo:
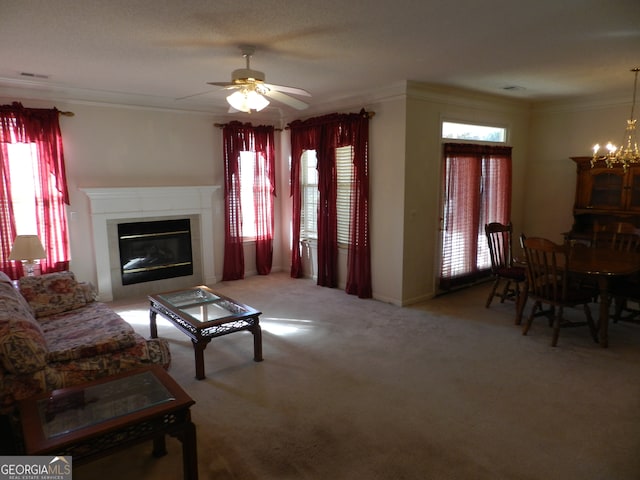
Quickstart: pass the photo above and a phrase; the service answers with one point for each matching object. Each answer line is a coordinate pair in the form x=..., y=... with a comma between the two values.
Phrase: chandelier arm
x=624, y=155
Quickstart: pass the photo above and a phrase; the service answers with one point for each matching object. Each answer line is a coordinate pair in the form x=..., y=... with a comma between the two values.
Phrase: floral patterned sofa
x=53, y=334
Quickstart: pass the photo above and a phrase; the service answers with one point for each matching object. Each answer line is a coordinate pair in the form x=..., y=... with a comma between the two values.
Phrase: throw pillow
x=52, y=293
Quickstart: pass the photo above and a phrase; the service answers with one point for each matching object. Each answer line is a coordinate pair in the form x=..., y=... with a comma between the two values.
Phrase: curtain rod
x=19, y=105
x=222, y=125
x=363, y=112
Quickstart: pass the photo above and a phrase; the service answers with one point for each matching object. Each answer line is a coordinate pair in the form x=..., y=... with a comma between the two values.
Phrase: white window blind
x=247, y=172
x=344, y=172
x=310, y=195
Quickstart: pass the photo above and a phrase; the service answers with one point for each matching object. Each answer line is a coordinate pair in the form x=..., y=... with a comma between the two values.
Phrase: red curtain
x=264, y=192
x=41, y=128
x=477, y=190
x=359, y=259
x=325, y=134
x=304, y=136
x=7, y=219
x=239, y=137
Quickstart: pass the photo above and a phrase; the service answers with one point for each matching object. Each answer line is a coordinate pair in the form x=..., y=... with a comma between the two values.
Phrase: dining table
x=603, y=265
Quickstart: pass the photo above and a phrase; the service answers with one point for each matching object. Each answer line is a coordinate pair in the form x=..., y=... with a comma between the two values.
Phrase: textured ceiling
x=155, y=52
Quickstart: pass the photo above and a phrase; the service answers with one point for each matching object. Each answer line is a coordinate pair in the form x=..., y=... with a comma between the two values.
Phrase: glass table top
x=69, y=411
x=194, y=296
x=202, y=305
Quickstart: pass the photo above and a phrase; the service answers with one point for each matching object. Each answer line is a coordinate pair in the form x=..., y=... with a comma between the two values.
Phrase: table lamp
x=27, y=248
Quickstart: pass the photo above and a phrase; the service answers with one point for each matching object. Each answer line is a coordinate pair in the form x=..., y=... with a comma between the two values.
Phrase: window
x=247, y=175
x=34, y=183
x=344, y=169
x=23, y=168
x=476, y=191
x=324, y=134
x=478, y=133
x=311, y=195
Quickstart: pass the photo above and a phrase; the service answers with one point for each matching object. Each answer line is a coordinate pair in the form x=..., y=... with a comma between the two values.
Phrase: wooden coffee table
x=100, y=417
x=202, y=315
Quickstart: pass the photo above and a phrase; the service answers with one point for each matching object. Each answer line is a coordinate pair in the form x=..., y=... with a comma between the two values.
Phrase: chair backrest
x=546, y=269
x=628, y=242
x=500, y=244
x=617, y=236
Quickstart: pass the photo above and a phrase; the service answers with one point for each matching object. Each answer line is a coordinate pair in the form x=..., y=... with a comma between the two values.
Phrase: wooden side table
x=93, y=420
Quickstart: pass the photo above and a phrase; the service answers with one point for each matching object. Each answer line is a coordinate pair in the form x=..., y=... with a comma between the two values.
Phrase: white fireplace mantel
x=141, y=202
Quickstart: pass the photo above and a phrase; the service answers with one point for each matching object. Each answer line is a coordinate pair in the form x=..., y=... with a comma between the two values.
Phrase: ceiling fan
x=250, y=89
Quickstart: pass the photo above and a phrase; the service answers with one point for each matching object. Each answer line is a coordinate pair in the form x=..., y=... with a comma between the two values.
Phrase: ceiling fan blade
x=285, y=89
x=225, y=84
x=286, y=99
x=193, y=95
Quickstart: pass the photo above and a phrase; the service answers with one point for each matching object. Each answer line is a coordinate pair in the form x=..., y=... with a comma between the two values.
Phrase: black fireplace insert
x=155, y=250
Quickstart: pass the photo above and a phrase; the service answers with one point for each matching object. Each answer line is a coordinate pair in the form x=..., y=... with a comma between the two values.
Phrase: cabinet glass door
x=607, y=190
x=633, y=189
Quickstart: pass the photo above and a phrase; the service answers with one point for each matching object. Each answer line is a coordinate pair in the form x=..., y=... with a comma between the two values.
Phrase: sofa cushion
x=85, y=332
x=23, y=348
x=52, y=293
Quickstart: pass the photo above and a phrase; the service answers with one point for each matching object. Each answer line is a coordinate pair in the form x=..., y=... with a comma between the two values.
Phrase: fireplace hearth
x=155, y=250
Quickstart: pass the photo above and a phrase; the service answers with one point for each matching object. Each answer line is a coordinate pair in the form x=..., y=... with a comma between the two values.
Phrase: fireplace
x=111, y=207
x=155, y=250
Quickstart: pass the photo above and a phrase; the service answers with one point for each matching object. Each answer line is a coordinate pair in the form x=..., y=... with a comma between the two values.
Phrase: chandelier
x=629, y=154
x=248, y=98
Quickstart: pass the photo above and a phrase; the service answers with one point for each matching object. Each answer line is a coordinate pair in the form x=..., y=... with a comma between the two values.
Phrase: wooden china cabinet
x=604, y=195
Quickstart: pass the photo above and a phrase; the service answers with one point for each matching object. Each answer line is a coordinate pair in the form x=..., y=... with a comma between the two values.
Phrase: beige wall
x=387, y=136
x=386, y=175
x=131, y=147
x=109, y=146
x=405, y=160
x=426, y=108
x=559, y=131
x=116, y=146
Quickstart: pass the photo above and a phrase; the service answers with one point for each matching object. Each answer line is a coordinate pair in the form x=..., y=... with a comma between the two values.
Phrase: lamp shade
x=27, y=247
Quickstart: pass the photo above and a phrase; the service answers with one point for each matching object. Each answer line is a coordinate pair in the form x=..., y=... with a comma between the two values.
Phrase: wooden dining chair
x=625, y=291
x=513, y=277
x=550, y=284
x=622, y=236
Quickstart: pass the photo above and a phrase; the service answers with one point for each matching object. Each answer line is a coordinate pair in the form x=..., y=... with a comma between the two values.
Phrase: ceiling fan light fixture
x=247, y=100
x=243, y=75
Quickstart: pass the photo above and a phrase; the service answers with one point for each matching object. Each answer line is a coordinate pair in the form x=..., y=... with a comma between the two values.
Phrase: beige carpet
x=359, y=389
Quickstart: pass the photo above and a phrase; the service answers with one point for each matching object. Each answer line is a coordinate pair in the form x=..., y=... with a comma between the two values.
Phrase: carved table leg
x=189, y=452
x=257, y=342
x=153, y=327
x=159, y=446
x=603, y=326
x=521, y=302
x=198, y=350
